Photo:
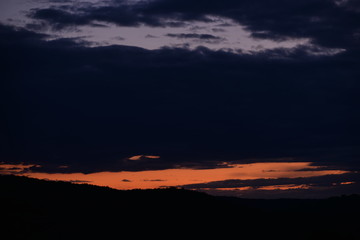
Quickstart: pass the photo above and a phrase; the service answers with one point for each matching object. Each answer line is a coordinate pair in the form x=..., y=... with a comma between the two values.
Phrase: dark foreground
x=38, y=209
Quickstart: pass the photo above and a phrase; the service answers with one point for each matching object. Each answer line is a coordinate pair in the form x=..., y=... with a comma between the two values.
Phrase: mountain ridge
x=42, y=209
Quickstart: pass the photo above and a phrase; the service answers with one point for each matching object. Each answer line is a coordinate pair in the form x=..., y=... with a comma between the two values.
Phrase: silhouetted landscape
x=41, y=209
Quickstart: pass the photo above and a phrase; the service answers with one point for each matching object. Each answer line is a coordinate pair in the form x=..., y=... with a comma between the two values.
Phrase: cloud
x=150, y=36
x=120, y=38
x=16, y=168
x=154, y=180
x=193, y=35
x=13, y=35
x=217, y=30
x=143, y=157
x=119, y=13
x=208, y=38
x=317, y=20
x=90, y=108
x=318, y=181
x=59, y=18
x=303, y=187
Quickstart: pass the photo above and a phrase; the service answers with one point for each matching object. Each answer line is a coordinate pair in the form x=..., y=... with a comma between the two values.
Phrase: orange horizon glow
x=126, y=180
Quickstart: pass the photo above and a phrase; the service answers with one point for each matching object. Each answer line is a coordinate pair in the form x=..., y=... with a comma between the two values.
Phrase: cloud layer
x=91, y=108
x=309, y=187
x=328, y=23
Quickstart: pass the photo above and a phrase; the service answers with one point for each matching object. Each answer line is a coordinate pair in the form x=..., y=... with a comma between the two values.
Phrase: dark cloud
x=93, y=108
x=59, y=18
x=327, y=23
x=120, y=38
x=318, y=181
x=323, y=21
x=206, y=38
x=218, y=30
x=118, y=13
x=308, y=187
x=193, y=35
x=13, y=35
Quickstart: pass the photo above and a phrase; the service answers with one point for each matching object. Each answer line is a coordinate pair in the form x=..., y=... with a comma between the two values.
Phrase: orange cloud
x=15, y=168
x=139, y=157
x=184, y=176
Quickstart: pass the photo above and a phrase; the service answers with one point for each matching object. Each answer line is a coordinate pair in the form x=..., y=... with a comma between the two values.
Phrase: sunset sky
x=232, y=97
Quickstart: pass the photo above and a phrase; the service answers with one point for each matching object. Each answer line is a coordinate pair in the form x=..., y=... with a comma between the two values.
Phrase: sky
x=254, y=99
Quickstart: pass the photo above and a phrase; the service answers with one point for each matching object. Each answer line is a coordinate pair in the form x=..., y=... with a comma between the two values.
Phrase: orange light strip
x=184, y=176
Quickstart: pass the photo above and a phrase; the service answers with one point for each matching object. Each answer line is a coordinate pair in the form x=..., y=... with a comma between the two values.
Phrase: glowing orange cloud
x=139, y=157
x=177, y=177
x=15, y=168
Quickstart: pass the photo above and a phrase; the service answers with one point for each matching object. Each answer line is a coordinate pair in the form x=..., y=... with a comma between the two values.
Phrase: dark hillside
x=39, y=209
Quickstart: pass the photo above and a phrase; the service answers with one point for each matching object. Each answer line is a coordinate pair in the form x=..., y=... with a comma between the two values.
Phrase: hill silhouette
x=40, y=209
